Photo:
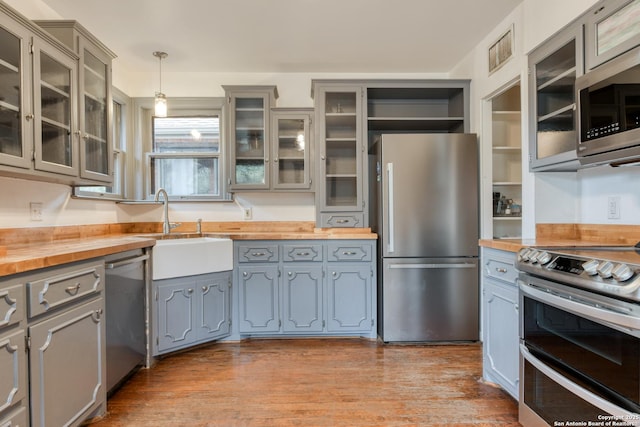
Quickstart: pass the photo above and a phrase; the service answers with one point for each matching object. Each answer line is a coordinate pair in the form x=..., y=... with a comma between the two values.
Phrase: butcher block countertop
x=27, y=249
x=563, y=235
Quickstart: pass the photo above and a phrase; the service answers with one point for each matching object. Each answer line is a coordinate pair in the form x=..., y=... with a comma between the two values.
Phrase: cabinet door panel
x=259, y=308
x=501, y=351
x=176, y=315
x=13, y=371
x=66, y=366
x=213, y=313
x=303, y=298
x=349, y=303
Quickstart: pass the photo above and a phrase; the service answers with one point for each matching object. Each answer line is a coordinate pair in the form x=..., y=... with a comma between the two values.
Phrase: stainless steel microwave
x=609, y=112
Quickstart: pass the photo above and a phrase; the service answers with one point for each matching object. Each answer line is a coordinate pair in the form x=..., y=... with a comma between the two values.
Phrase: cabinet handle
x=342, y=221
x=302, y=253
x=73, y=290
x=348, y=253
x=501, y=270
x=258, y=254
x=29, y=116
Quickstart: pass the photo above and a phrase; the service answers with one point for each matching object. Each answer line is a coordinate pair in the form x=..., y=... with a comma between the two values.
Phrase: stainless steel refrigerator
x=425, y=210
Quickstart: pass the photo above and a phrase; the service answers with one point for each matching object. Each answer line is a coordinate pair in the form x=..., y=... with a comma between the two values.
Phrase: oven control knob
x=533, y=256
x=622, y=272
x=524, y=254
x=604, y=269
x=591, y=267
x=543, y=257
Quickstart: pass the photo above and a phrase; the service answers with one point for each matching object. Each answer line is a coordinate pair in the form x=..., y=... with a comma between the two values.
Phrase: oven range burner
x=613, y=271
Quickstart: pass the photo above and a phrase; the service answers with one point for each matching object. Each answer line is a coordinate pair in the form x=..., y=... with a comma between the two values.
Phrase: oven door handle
x=626, y=416
x=599, y=314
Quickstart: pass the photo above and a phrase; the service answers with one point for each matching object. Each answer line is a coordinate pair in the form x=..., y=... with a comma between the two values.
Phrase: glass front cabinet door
x=16, y=119
x=339, y=192
x=553, y=68
x=93, y=97
x=291, y=148
x=249, y=124
x=612, y=28
x=55, y=111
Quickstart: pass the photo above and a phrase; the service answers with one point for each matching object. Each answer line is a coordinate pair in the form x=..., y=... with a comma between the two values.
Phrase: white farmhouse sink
x=188, y=257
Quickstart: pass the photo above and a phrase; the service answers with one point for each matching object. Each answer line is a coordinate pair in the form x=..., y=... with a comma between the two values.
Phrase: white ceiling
x=325, y=36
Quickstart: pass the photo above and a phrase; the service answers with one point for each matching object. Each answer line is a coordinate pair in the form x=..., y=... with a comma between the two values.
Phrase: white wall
x=573, y=197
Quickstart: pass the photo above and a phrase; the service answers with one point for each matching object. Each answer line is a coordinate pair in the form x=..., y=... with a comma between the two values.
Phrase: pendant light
x=160, y=99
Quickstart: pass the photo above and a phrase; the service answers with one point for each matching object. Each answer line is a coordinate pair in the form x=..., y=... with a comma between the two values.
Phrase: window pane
x=186, y=176
x=186, y=134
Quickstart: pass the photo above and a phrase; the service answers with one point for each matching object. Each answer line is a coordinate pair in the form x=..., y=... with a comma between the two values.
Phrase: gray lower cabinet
x=306, y=287
x=52, y=346
x=500, y=319
x=13, y=356
x=191, y=310
x=66, y=357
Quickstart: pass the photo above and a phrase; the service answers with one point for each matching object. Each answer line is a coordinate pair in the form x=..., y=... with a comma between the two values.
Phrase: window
x=119, y=132
x=186, y=156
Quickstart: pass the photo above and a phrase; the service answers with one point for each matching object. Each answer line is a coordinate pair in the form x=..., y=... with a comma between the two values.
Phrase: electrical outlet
x=247, y=213
x=613, y=207
x=35, y=211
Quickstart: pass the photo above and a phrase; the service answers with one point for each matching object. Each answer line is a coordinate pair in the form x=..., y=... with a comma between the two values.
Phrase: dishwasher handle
x=126, y=261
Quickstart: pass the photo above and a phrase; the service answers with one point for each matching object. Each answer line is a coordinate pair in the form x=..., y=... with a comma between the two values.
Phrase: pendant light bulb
x=160, y=98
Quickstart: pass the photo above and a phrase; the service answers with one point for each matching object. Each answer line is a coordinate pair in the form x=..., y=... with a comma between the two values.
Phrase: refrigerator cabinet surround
x=426, y=216
x=430, y=299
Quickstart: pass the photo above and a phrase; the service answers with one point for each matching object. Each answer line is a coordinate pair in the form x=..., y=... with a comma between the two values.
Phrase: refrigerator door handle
x=390, y=202
x=437, y=265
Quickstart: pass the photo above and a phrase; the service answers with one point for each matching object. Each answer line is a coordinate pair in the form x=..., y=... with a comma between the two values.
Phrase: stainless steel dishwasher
x=126, y=280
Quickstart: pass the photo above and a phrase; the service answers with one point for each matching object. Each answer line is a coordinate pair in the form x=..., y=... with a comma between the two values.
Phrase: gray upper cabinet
x=249, y=135
x=553, y=68
x=341, y=156
x=291, y=148
x=55, y=106
x=16, y=114
x=94, y=98
x=611, y=29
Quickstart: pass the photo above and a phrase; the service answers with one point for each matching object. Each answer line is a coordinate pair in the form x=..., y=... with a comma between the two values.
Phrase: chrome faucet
x=166, y=226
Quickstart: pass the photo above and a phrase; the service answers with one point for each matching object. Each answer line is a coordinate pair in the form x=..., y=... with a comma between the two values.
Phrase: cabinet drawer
x=63, y=286
x=340, y=251
x=258, y=253
x=342, y=220
x=501, y=269
x=11, y=305
x=311, y=252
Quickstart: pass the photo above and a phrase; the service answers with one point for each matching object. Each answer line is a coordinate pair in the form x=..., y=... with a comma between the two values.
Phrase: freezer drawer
x=429, y=299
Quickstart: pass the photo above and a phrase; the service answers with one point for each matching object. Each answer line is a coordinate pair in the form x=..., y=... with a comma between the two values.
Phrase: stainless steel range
x=579, y=336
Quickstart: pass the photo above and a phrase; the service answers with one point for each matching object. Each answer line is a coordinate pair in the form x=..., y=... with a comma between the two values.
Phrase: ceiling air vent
x=501, y=50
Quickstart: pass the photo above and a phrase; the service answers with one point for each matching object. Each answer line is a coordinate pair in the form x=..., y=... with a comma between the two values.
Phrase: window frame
x=182, y=107
x=120, y=149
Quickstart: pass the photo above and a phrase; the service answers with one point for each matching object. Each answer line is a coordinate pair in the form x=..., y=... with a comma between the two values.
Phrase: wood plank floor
x=313, y=382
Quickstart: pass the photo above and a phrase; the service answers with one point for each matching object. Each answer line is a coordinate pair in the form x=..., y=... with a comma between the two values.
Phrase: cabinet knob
x=275, y=160
x=290, y=274
x=190, y=291
x=29, y=116
x=322, y=157
x=205, y=288
x=334, y=274
x=245, y=274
